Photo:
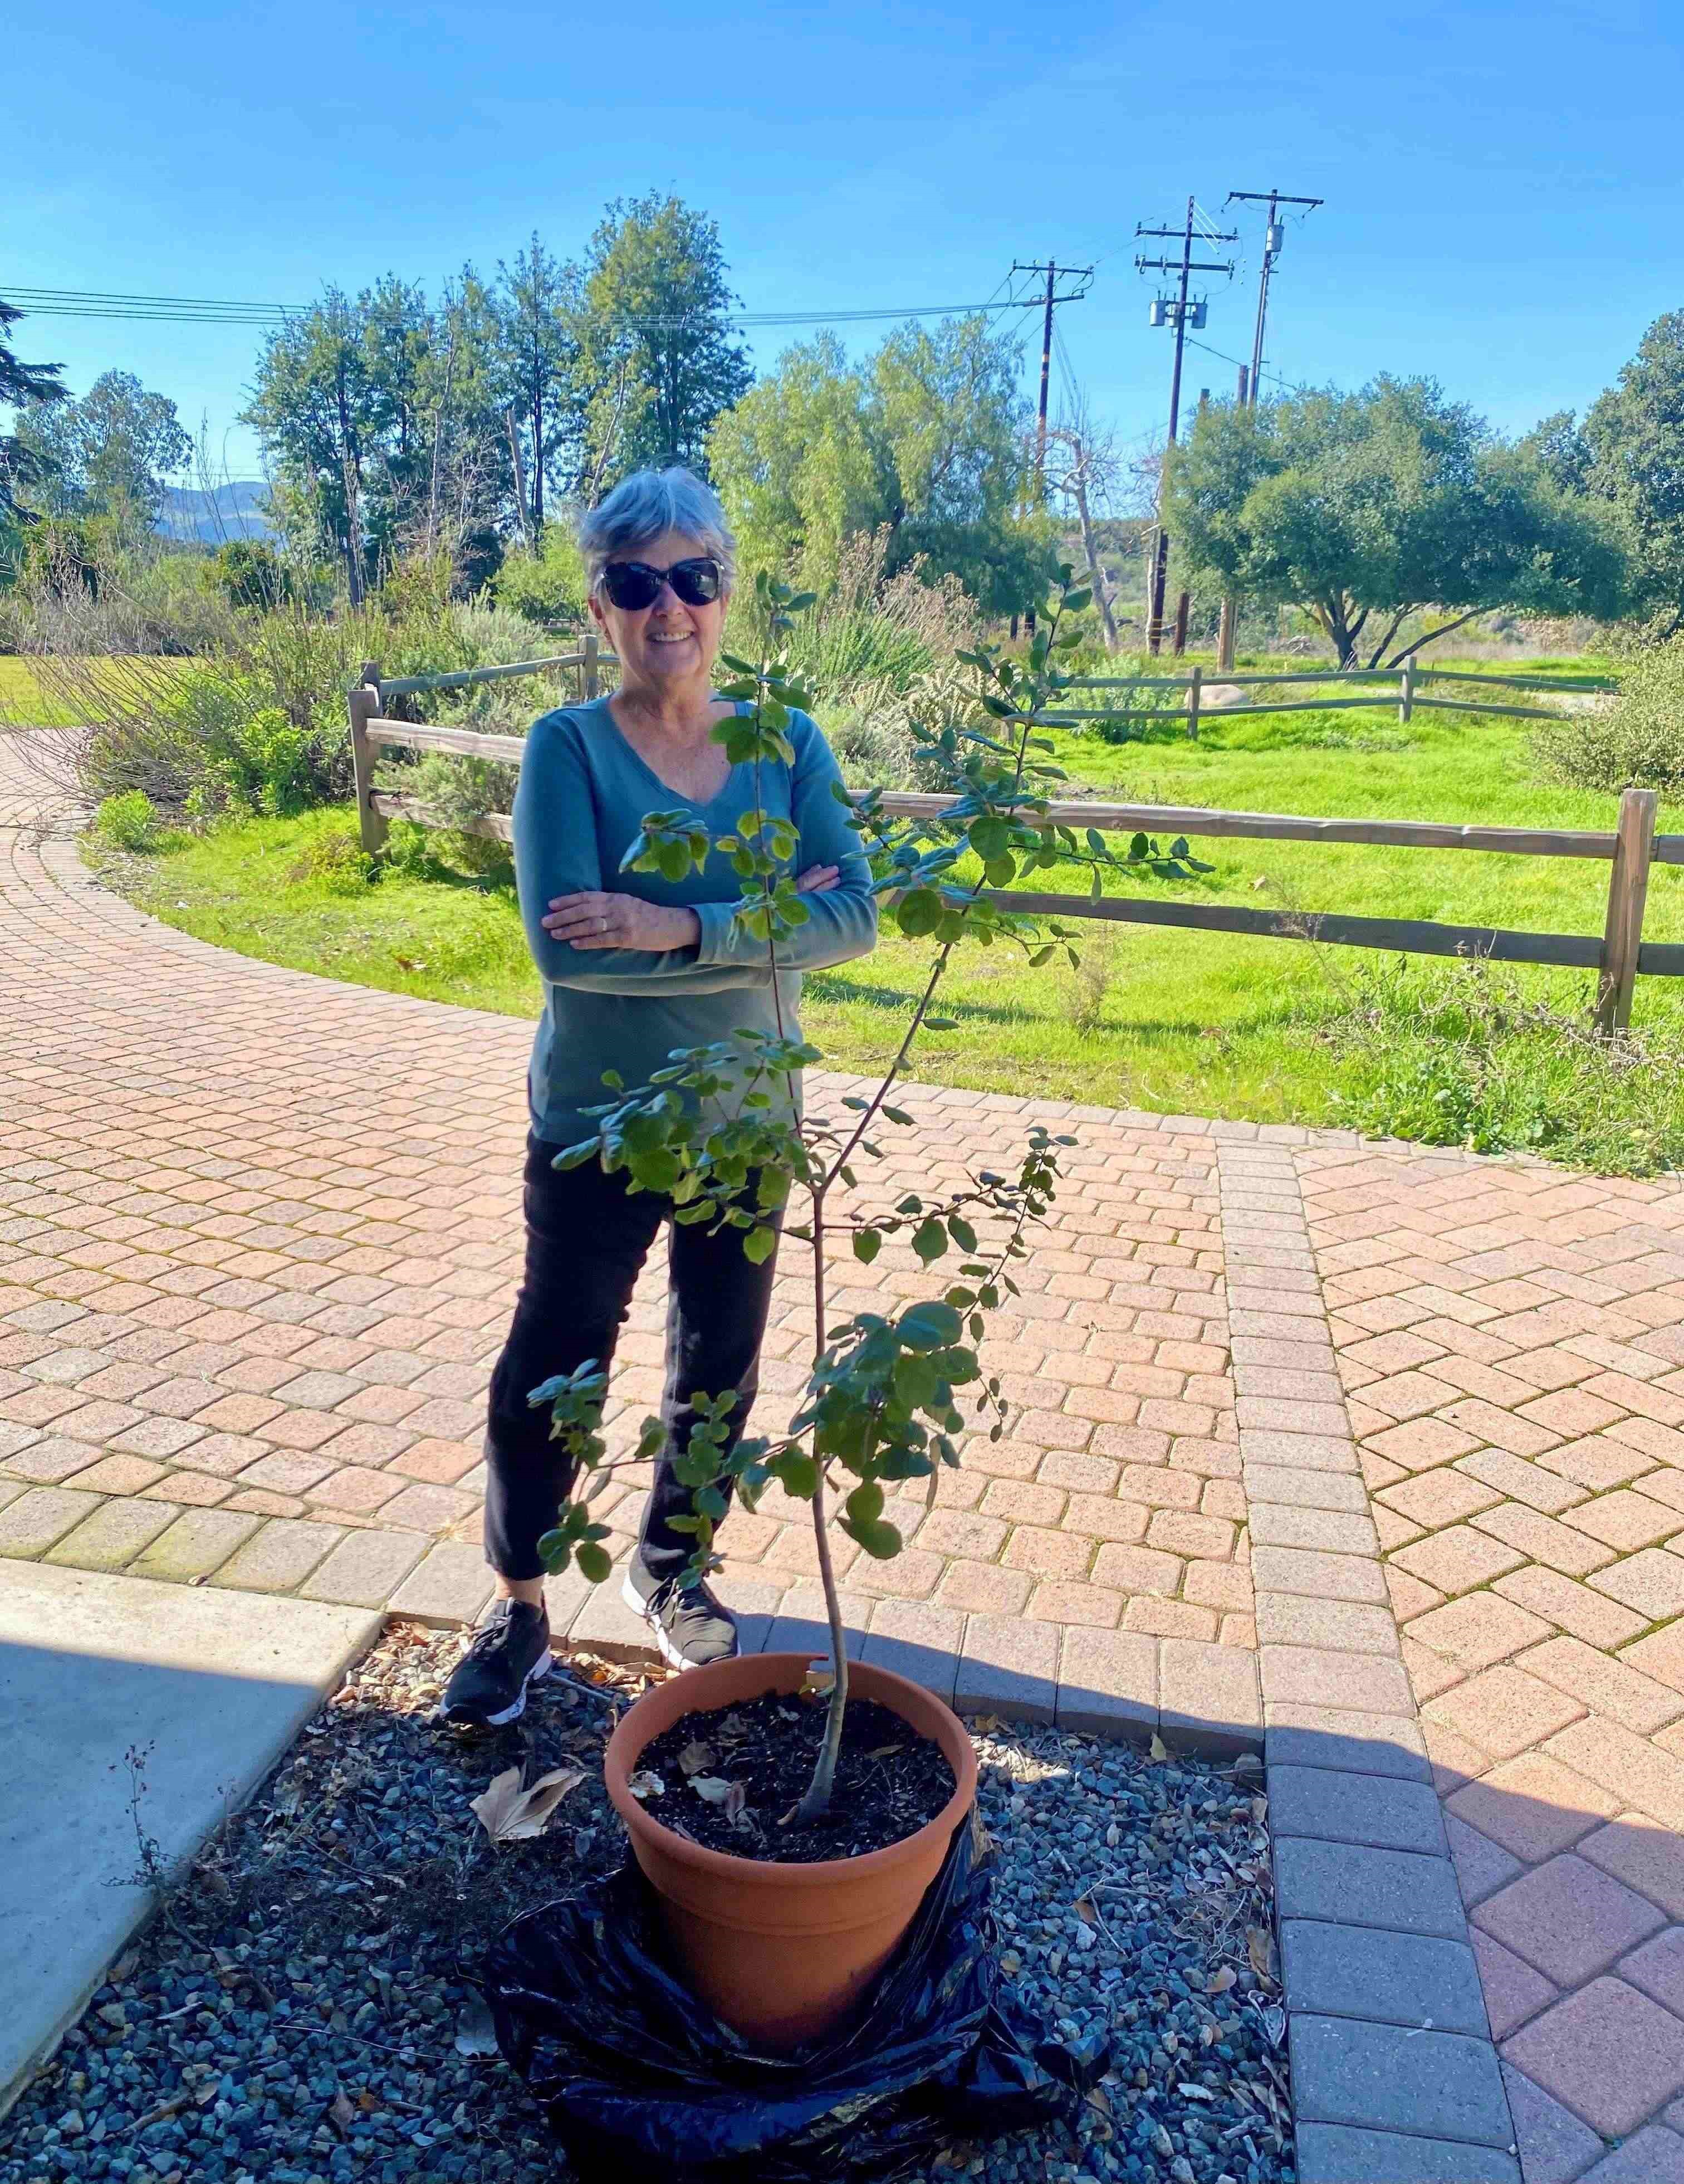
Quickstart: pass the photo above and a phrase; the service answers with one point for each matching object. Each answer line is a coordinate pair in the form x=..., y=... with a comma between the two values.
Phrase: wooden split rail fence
x=1372, y=683
x=1631, y=849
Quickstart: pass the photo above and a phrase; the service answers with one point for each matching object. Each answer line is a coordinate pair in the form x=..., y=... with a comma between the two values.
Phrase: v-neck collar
x=666, y=787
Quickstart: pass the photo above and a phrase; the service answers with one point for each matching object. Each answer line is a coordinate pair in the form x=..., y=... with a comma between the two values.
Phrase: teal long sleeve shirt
x=580, y=805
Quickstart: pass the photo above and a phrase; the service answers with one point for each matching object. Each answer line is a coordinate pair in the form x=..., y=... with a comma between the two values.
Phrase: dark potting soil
x=727, y=1779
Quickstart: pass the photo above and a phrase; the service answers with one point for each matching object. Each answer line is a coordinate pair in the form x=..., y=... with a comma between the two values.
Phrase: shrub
x=337, y=862
x=869, y=629
x=548, y=587
x=128, y=821
x=1471, y=1061
x=1636, y=742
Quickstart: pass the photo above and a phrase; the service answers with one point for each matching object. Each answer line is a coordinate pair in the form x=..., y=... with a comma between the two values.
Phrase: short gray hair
x=643, y=506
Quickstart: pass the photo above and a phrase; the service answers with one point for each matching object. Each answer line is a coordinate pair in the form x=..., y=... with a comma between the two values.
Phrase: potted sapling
x=790, y=1812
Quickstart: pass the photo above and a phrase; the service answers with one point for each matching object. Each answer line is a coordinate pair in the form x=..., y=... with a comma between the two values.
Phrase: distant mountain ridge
x=234, y=511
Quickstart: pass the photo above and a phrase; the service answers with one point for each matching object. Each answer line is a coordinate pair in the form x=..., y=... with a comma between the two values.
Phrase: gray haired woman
x=634, y=967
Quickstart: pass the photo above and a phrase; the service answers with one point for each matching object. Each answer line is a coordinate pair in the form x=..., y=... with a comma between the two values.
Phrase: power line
x=209, y=310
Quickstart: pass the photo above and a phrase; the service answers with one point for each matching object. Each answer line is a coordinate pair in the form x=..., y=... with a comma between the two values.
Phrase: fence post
x=592, y=647
x=1193, y=689
x=1628, y=884
x=362, y=704
x=1406, y=689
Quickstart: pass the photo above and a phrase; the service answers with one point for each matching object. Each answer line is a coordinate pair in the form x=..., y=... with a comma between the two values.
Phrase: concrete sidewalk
x=206, y=1689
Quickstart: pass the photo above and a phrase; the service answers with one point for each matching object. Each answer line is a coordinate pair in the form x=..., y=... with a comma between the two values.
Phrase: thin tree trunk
x=519, y=480
x=538, y=466
x=1096, y=574
x=1433, y=637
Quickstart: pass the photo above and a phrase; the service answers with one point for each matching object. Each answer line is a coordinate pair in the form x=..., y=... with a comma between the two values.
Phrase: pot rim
x=618, y=1763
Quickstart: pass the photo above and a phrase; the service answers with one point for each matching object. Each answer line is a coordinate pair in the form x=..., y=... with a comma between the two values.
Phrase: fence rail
x=1629, y=849
x=1405, y=679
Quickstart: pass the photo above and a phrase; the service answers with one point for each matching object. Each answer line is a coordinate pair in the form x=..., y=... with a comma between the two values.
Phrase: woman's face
x=669, y=645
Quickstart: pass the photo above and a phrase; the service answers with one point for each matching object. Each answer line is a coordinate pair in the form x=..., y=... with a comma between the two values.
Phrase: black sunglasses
x=634, y=585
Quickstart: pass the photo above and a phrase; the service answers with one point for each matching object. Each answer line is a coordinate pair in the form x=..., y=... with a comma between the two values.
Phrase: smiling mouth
x=670, y=636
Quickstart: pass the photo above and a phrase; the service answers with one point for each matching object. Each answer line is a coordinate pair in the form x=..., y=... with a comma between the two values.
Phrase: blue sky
x=1503, y=203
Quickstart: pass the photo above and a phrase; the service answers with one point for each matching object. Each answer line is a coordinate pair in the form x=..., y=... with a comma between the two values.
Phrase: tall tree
x=659, y=357
x=319, y=413
x=1363, y=508
x=108, y=454
x=1633, y=456
x=537, y=308
x=799, y=464
x=22, y=387
x=925, y=436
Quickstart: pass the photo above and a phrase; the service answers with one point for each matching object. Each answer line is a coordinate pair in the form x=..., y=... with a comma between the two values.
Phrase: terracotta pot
x=781, y=1952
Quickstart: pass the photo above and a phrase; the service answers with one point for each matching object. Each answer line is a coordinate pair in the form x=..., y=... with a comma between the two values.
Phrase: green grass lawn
x=1174, y=1021
x=22, y=703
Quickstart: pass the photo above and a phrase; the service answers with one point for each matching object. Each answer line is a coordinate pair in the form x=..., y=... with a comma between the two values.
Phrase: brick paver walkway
x=1511, y=1343
x=258, y=1239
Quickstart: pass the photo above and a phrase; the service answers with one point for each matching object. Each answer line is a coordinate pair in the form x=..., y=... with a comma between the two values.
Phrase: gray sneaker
x=691, y=1626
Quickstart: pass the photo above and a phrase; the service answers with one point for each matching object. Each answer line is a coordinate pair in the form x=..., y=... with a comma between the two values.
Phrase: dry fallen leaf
x=342, y=2111
x=645, y=1785
x=475, y=2034
x=1084, y=1910
x=510, y=1813
x=886, y=1752
x=736, y=1805
x=1259, y=1952
x=712, y=1790
x=696, y=1759
x=1220, y=1979
x=1158, y=1749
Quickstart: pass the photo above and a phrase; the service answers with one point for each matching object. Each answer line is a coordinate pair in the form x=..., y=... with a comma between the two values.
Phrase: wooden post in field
x=362, y=704
x=592, y=646
x=1194, y=687
x=1627, y=886
x=1183, y=603
x=1406, y=689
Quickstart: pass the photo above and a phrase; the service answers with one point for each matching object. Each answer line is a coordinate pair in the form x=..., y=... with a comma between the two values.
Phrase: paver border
x=1399, y=2062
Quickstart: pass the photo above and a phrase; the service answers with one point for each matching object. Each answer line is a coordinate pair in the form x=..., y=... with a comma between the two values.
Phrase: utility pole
x=1084, y=275
x=1174, y=311
x=1225, y=627
x=1274, y=237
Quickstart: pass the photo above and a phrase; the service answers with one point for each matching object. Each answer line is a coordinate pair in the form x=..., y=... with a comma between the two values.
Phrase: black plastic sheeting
x=641, y=2079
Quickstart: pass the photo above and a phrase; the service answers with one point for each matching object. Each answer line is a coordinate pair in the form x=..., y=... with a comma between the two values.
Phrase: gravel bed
x=295, y=2015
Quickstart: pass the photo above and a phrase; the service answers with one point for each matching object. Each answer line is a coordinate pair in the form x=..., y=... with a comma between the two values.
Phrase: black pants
x=586, y=1238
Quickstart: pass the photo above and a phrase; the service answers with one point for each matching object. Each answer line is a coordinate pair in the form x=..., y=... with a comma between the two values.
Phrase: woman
x=634, y=965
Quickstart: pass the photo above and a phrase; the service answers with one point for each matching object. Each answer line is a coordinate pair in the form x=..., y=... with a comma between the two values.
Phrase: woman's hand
x=818, y=879
x=595, y=920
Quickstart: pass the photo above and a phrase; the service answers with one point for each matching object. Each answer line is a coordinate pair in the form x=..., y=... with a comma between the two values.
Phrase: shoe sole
x=535, y=1675
x=669, y=1652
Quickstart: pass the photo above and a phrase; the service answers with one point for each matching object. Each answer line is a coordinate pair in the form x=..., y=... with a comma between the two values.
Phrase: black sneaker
x=692, y=1627
x=488, y=1685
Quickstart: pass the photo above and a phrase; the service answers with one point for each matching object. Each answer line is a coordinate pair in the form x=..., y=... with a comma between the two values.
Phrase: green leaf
x=881, y=1541
x=918, y=912
x=990, y=836
x=1139, y=847
x=962, y=1232
x=930, y=1023
x=929, y=1326
x=866, y=1504
x=1075, y=601
x=758, y=1246
x=595, y=1562
x=867, y=1243
x=930, y=1239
